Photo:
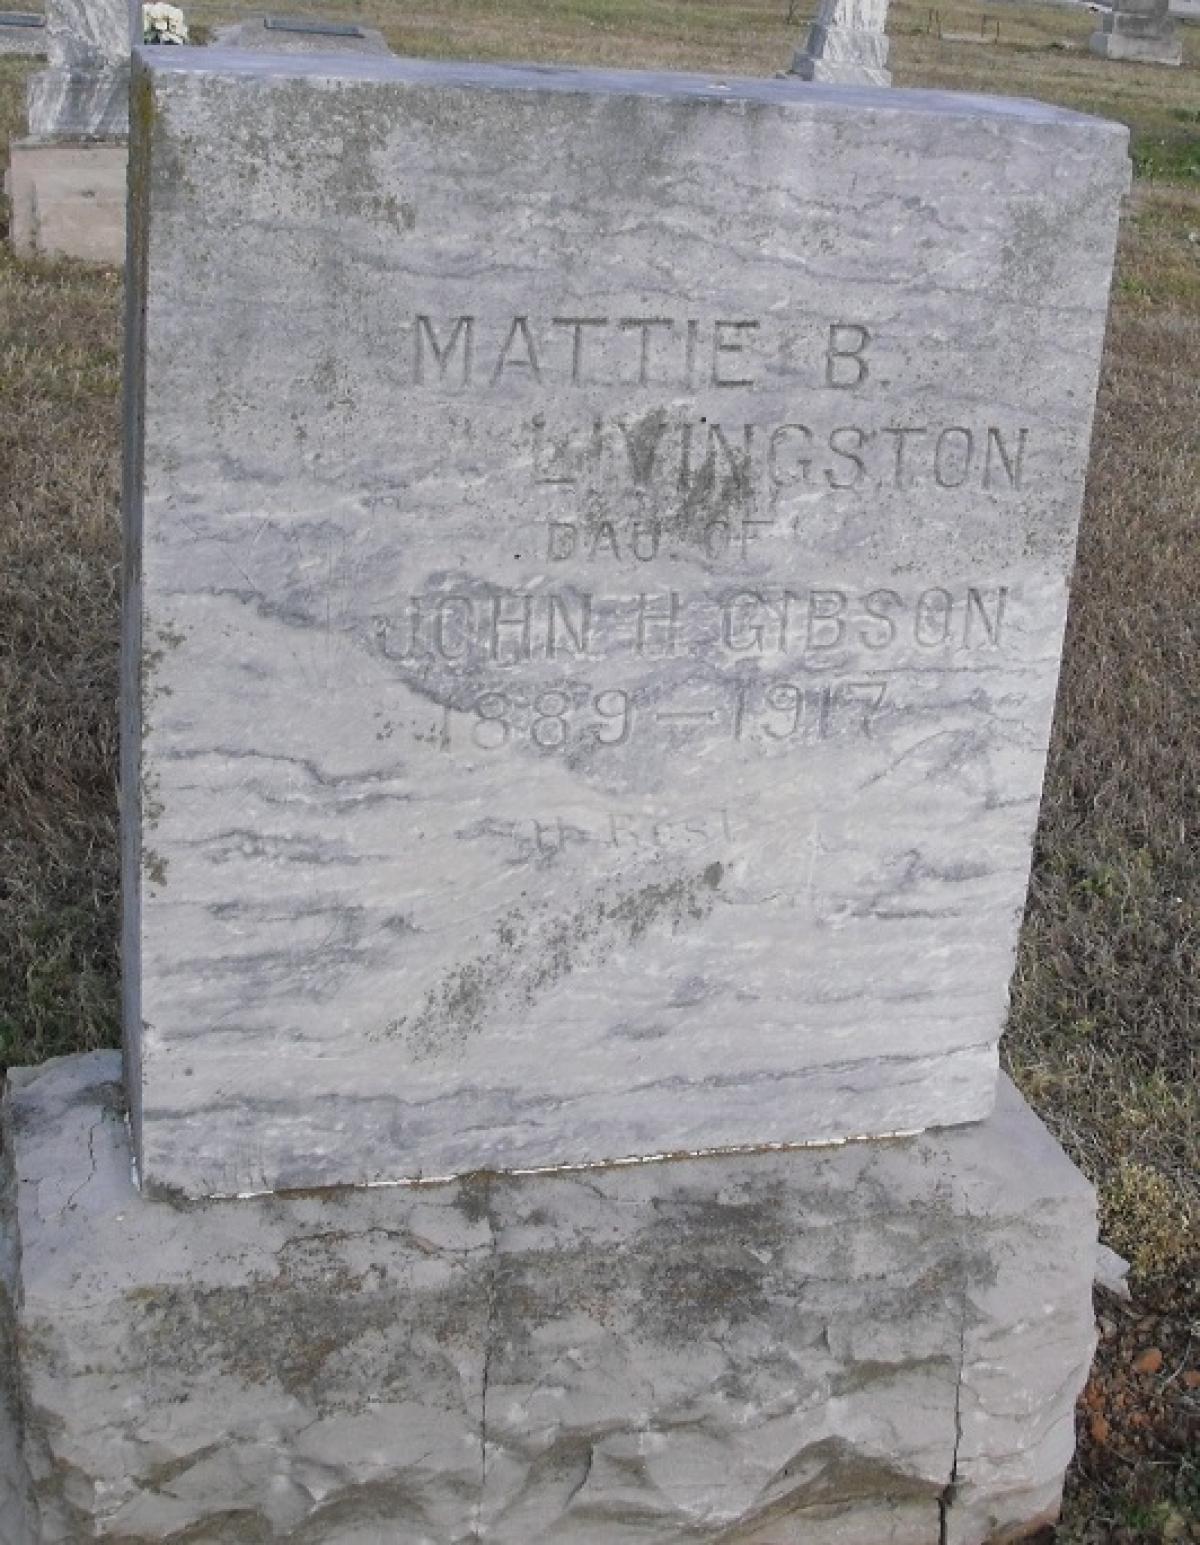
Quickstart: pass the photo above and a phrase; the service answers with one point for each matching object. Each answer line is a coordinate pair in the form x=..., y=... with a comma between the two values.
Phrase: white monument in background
x=847, y=45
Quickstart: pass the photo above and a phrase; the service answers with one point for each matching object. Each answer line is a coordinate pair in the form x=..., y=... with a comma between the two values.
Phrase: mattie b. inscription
x=681, y=352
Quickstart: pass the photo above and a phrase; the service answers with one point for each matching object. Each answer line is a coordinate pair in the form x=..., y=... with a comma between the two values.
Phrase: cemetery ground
x=1103, y=1035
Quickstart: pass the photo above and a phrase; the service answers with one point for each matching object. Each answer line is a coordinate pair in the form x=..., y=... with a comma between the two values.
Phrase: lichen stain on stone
x=530, y=955
x=316, y=1339
x=688, y=475
x=152, y=657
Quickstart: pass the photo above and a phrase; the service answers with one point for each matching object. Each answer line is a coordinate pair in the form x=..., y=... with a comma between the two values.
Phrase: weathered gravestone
x=597, y=559
x=1142, y=31
x=603, y=564
x=847, y=44
x=67, y=176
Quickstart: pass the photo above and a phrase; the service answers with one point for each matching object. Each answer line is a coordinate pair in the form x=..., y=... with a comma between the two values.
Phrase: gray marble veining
x=598, y=554
x=84, y=94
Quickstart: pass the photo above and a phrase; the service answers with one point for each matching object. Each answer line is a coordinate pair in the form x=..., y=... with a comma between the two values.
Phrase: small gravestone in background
x=67, y=178
x=597, y=556
x=1142, y=31
x=300, y=35
x=22, y=32
x=847, y=45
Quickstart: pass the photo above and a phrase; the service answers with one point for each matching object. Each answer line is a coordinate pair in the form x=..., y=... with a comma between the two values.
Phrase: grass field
x=1103, y=1034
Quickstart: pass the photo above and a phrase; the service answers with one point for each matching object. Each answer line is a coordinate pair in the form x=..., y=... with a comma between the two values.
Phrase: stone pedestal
x=68, y=200
x=846, y=45
x=1142, y=31
x=873, y=1342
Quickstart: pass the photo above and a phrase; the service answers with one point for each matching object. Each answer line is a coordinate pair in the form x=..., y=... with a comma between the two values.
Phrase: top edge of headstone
x=568, y=79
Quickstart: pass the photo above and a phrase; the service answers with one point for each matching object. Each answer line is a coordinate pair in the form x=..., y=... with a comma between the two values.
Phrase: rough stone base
x=878, y=1344
x=837, y=72
x=1140, y=50
x=68, y=200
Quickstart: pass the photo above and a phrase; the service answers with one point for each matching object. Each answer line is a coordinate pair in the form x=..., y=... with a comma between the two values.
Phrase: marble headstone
x=84, y=92
x=1142, y=31
x=598, y=558
x=847, y=45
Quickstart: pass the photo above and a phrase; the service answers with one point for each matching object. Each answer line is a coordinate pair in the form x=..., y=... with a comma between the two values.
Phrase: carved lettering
x=519, y=337
x=577, y=325
x=952, y=457
x=845, y=362
x=1008, y=461
x=507, y=628
x=645, y=327
x=462, y=333
x=672, y=456
x=657, y=624
x=726, y=340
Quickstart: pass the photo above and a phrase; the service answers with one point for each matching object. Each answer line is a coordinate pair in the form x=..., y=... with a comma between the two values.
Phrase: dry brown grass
x=59, y=540
x=1103, y=1032
x=1106, y=1007
x=1106, y=1002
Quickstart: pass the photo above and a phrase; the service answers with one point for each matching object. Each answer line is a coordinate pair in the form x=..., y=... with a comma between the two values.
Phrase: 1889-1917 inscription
x=603, y=570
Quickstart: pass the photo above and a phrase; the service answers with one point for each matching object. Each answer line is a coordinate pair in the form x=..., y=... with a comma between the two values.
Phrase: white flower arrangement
x=163, y=23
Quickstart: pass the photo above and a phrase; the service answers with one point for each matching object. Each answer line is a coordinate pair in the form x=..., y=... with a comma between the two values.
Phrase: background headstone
x=603, y=546
x=22, y=32
x=301, y=35
x=84, y=94
x=847, y=45
x=1143, y=31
